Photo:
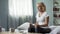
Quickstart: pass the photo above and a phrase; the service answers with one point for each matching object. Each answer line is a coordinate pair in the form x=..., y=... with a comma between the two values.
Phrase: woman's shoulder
x=37, y=14
x=46, y=14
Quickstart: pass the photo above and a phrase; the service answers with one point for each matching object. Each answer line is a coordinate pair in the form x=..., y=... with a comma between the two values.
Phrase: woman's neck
x=41, y=11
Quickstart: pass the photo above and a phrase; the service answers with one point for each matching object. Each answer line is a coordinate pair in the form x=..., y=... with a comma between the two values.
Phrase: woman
x=42, y=19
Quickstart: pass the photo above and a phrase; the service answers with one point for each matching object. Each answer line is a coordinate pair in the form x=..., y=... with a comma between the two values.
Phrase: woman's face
x=40, y=7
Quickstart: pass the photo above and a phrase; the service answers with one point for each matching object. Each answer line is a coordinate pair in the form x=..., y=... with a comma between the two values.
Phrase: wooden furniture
x=16, y=33
x=56, y=12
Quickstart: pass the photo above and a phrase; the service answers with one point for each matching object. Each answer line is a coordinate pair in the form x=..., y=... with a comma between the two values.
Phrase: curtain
x=20, y=11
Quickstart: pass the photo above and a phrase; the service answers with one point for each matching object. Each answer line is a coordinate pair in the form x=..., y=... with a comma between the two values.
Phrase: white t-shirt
x=41, y=19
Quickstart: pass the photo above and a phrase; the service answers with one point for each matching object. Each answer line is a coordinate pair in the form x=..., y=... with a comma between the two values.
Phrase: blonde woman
x=42, y=19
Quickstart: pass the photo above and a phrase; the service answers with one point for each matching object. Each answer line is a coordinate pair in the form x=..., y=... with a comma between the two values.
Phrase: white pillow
x=24, y=26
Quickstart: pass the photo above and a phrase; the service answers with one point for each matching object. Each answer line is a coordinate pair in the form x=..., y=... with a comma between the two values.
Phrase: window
x=19, y=8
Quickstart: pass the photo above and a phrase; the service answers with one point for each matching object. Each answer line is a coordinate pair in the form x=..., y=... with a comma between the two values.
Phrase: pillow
x=3, y=29
x=24, y=26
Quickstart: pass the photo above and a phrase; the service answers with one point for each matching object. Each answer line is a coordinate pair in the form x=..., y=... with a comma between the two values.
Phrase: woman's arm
x=46, y=21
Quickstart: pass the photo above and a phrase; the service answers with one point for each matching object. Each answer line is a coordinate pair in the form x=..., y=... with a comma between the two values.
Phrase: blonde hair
x=43, y=5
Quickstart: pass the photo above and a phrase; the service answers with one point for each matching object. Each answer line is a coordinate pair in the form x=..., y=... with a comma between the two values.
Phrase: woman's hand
x=36, y=24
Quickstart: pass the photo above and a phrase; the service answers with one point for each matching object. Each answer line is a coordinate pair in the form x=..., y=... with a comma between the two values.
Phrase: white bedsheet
x=24, y=27
x=55, y=29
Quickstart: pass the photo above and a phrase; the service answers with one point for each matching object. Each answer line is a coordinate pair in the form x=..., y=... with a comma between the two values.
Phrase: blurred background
x=13, y=13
